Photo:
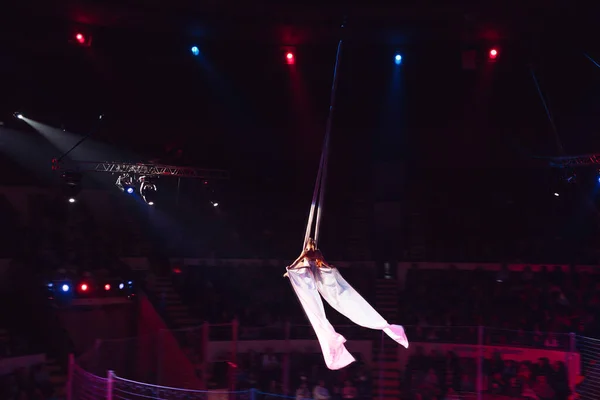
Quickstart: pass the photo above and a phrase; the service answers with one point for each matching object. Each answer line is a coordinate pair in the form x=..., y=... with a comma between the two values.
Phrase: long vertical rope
x=334, y=86
x=313, y=205
x=319, y=191
x=559, y=145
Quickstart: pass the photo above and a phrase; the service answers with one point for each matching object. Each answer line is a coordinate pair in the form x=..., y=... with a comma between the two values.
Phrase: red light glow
x=177, y=270
x=290, y=58
x=107, y=287
x=493, y=54
x=80, y=38
x=83, y=287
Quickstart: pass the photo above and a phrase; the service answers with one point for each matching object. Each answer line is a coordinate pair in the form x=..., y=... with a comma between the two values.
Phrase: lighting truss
x=147, y=169
x=575, y=161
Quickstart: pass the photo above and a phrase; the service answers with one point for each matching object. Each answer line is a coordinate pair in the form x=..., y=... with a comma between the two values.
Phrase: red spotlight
x=80, y=38
x=83, y=287
x=493, y=54
x=289, y=57
x=107, y=287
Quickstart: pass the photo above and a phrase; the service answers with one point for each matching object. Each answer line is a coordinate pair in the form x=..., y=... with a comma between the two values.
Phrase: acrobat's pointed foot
x=397, y=333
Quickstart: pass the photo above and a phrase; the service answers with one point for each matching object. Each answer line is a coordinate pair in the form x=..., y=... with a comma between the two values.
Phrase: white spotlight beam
x=148, y=169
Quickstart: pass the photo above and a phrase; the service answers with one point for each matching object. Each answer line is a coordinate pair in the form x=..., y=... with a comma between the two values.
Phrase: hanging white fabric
x=335, y=354
x=344, y=299
x=312, y=277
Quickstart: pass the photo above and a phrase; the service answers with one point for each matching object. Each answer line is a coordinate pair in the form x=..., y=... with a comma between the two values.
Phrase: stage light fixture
x=107, y=287
x=398, y=59
x=83, y=287
x=290, y=58
x=71, y=185
x=125, y=183
x=195, y=50
x=65, y=288
x=81, y=38
x=148, y=189
x=19, y=115
x=493, y=54
x=121, y=286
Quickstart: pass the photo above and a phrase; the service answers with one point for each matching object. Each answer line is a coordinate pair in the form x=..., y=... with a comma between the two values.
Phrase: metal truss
x=146, y=169
x=575, y=161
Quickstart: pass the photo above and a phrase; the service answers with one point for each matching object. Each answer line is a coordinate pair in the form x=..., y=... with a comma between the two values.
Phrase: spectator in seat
x=543, y=389
x=336, y=393
x=451, y=395
x=41, y=378
x=430, y=387
x=551, y=341
x=466, y=384
x=302, y=393
x=513, y=389
x=497, y=385
x=542, y=367
x=320, y=392
x=560, y=381
x=509, y=370
x=528, y=393
x=269, y=361
x=349, y=391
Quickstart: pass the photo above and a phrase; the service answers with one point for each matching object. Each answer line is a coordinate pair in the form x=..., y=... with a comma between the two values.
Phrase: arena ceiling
x=296, y=22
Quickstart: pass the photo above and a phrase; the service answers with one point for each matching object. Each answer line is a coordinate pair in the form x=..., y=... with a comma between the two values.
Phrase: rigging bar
x=148, y=169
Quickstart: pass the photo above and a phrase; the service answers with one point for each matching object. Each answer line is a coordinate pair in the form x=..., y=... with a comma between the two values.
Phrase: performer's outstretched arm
x=294, y=265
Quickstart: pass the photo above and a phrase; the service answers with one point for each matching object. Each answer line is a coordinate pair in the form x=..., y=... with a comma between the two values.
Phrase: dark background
x=458, y=144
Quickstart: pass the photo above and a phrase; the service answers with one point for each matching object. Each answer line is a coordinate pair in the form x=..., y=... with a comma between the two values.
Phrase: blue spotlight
x=195, y=50
x=129, y=190
x=65, y=288
x=398, y=59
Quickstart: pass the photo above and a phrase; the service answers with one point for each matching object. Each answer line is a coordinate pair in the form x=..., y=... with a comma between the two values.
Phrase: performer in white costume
x=310, y=275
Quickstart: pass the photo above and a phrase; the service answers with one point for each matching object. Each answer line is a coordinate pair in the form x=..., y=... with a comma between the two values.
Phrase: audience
x=29, y=384
x=436, y=306
x=431, y=377
x=520, y=306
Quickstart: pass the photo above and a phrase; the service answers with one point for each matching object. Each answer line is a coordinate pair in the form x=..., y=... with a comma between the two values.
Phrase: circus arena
x=282, y=200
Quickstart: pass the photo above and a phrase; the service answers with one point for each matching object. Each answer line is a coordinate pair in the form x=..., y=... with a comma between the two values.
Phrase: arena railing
x=464, y=359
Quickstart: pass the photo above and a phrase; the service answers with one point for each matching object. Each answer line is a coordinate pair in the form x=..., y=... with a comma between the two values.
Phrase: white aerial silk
x=308, y=282
x=332, y=343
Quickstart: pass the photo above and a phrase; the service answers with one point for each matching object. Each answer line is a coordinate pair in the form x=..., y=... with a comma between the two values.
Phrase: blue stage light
x=130, y=190
x=121, y=286
x=195, y=50
x=398, y=59
x=65, y=288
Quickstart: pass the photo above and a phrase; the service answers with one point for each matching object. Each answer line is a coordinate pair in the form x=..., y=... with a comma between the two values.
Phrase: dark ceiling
x=298, y=22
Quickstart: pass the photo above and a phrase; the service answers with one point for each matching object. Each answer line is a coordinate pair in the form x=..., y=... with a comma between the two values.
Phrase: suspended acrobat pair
x=310, y=275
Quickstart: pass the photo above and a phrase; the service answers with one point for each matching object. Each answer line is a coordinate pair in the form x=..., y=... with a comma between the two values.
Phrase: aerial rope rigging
x=310, y=275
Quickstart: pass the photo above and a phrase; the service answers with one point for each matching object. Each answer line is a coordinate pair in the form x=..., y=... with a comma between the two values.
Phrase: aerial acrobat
x=310, y=275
